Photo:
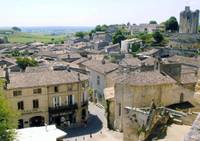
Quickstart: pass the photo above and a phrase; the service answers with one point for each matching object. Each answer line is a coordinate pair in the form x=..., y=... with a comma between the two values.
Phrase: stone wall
x=141, y=96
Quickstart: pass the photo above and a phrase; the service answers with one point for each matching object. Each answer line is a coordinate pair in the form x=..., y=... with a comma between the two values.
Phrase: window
x=71, y=100
x=35, y=103
x=119, y=109
x=56, y=89
x=20, y=105
x=56, y=101
x=37, y=91
x=69, y=88
x=98, y=80
x=17, y=93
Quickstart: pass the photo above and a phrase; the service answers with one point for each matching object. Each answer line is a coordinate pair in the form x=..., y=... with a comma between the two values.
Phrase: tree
x=24, y=62
x=152, y=22
x=17, y=29
x=134, y=47
x=101, y=28
x=199, y=29
x=171, y=25
x=118, y=37
x=8, y=118
x=158, y=37
x=147, y=38
x=80, y=34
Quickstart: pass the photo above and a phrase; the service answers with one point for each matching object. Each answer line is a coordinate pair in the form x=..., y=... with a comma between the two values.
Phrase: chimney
x=68, y=68
x=68, y=56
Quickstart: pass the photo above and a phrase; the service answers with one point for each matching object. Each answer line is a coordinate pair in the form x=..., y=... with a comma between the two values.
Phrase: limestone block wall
x=141, y=96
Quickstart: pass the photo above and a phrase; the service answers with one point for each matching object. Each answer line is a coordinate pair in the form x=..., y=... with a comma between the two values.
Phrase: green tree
x=158, y=37
x=152, y=22
x=172, y=25
x=8, y=118
x=23, y=62
x=101, y=28
x=134, y=47
x=199, y=29
x=80, y=34
x=147, y=38
x=118, y=37
x=16, y=29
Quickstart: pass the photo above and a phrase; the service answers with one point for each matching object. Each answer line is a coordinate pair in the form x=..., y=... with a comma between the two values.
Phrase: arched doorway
x=20, y=123
x=36, y=121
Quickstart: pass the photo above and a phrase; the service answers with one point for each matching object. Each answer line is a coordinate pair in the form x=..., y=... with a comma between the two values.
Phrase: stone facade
x=141, y=95
x=150, y=28
x=189, y=21
x=45, y=101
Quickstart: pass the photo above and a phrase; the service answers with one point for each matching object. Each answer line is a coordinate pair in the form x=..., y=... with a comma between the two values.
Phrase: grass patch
x=25, y=38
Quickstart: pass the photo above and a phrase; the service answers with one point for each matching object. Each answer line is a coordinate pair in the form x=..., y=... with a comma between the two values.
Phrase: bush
x=158, y=37
x=118, y=37
x=8, y=118
x=24, y=62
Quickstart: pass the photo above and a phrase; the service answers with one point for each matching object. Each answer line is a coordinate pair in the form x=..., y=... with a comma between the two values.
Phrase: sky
x=89, y=12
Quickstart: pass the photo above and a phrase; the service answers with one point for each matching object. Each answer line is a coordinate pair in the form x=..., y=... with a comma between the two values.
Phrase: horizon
x=77, y=13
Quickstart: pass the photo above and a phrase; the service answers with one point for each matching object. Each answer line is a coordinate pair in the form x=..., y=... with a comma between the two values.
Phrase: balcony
x=62, y=109
x=85, y=103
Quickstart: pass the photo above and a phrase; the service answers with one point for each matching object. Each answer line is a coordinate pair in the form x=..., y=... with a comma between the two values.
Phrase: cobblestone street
x=96, y=129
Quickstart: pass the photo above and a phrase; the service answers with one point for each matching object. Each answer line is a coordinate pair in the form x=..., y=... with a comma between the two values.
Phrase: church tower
x=189, y=21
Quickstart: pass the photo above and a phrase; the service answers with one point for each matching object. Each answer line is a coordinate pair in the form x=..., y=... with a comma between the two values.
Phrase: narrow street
x=96, y=127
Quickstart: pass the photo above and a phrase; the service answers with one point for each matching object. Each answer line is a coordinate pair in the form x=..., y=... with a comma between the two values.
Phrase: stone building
x=137, y=89
x=52, y=97
x=150, y=28
x=98, y=72
x=189, y=21
x=127, y=44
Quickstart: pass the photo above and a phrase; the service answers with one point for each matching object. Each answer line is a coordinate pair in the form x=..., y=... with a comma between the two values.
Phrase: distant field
x=24, y=38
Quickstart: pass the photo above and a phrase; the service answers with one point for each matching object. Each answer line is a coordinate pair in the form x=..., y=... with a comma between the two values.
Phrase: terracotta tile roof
x=130, y=62
x=188, y=74
x=116, y=76
x=188, y=78
x=195, y=61
x=23, y=80
x=150, y=61
x=100, y=67
x=148, y=78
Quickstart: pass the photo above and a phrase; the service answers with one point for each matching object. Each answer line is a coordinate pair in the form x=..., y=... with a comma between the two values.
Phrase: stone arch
x=36, y=121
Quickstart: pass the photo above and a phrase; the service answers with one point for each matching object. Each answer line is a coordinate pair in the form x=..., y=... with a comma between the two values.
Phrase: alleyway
x=97, y=127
